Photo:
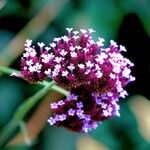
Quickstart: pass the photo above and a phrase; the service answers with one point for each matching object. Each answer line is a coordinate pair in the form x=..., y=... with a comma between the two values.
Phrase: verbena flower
x=84, y=112
x=31, y=65
x=94, y=75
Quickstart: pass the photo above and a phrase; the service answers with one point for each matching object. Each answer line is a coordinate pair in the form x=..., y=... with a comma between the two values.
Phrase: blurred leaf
x=18, y=147
x=11, y=94
x=139, y=7
x=5, y=37
x=91, y=14
x=48, y=35
x=140, y=106
x=58, y=139
x=87, y=143
x=105, y=135
x=37, y=5
x=11, y=7
x=121, y=133
x=104, y=16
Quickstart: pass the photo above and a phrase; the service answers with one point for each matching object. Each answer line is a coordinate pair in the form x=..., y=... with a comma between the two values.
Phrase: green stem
x=60, y=90
x=25, y=133
x=20, y=113
x=7, y=70
x=7, y=131
x=25, y=107
x=56, y=88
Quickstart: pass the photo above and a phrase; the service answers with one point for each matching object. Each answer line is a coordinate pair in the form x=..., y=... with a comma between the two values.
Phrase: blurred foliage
x=10, y=97
x=121, y=133
x=57, y=137
x=105, y=16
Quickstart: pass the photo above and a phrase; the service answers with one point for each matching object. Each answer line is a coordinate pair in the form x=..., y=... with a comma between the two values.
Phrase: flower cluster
x=31, y=65
x=82, y=113
x=94, y=75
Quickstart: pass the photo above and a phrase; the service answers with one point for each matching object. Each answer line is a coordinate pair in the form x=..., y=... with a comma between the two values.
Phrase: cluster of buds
x=94, y=75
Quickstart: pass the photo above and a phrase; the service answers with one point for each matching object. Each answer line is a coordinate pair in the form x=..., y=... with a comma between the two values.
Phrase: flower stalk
x=26, y=106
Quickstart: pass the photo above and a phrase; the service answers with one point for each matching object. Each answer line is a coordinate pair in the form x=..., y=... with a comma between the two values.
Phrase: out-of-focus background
x=126, y=21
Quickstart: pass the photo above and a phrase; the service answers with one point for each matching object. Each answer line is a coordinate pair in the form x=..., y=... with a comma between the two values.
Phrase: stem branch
x=26, y=106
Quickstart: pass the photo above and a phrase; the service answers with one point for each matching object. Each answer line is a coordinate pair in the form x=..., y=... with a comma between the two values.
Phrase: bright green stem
x=7, y=70
x=55, y=88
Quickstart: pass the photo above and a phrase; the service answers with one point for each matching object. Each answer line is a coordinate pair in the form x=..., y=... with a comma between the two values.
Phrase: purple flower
x=72, y=97
x=54, y=105
x=80, y=113
x=94, y=75
x=79, y=105
x=71, y=112
x=31, y=65
x=85, y=113
x=51, y=121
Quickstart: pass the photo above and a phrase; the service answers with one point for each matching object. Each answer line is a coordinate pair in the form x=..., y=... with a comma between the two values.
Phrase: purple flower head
x=76, y=61
x=31, y=65
x=94, y=75
x=85, y=113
